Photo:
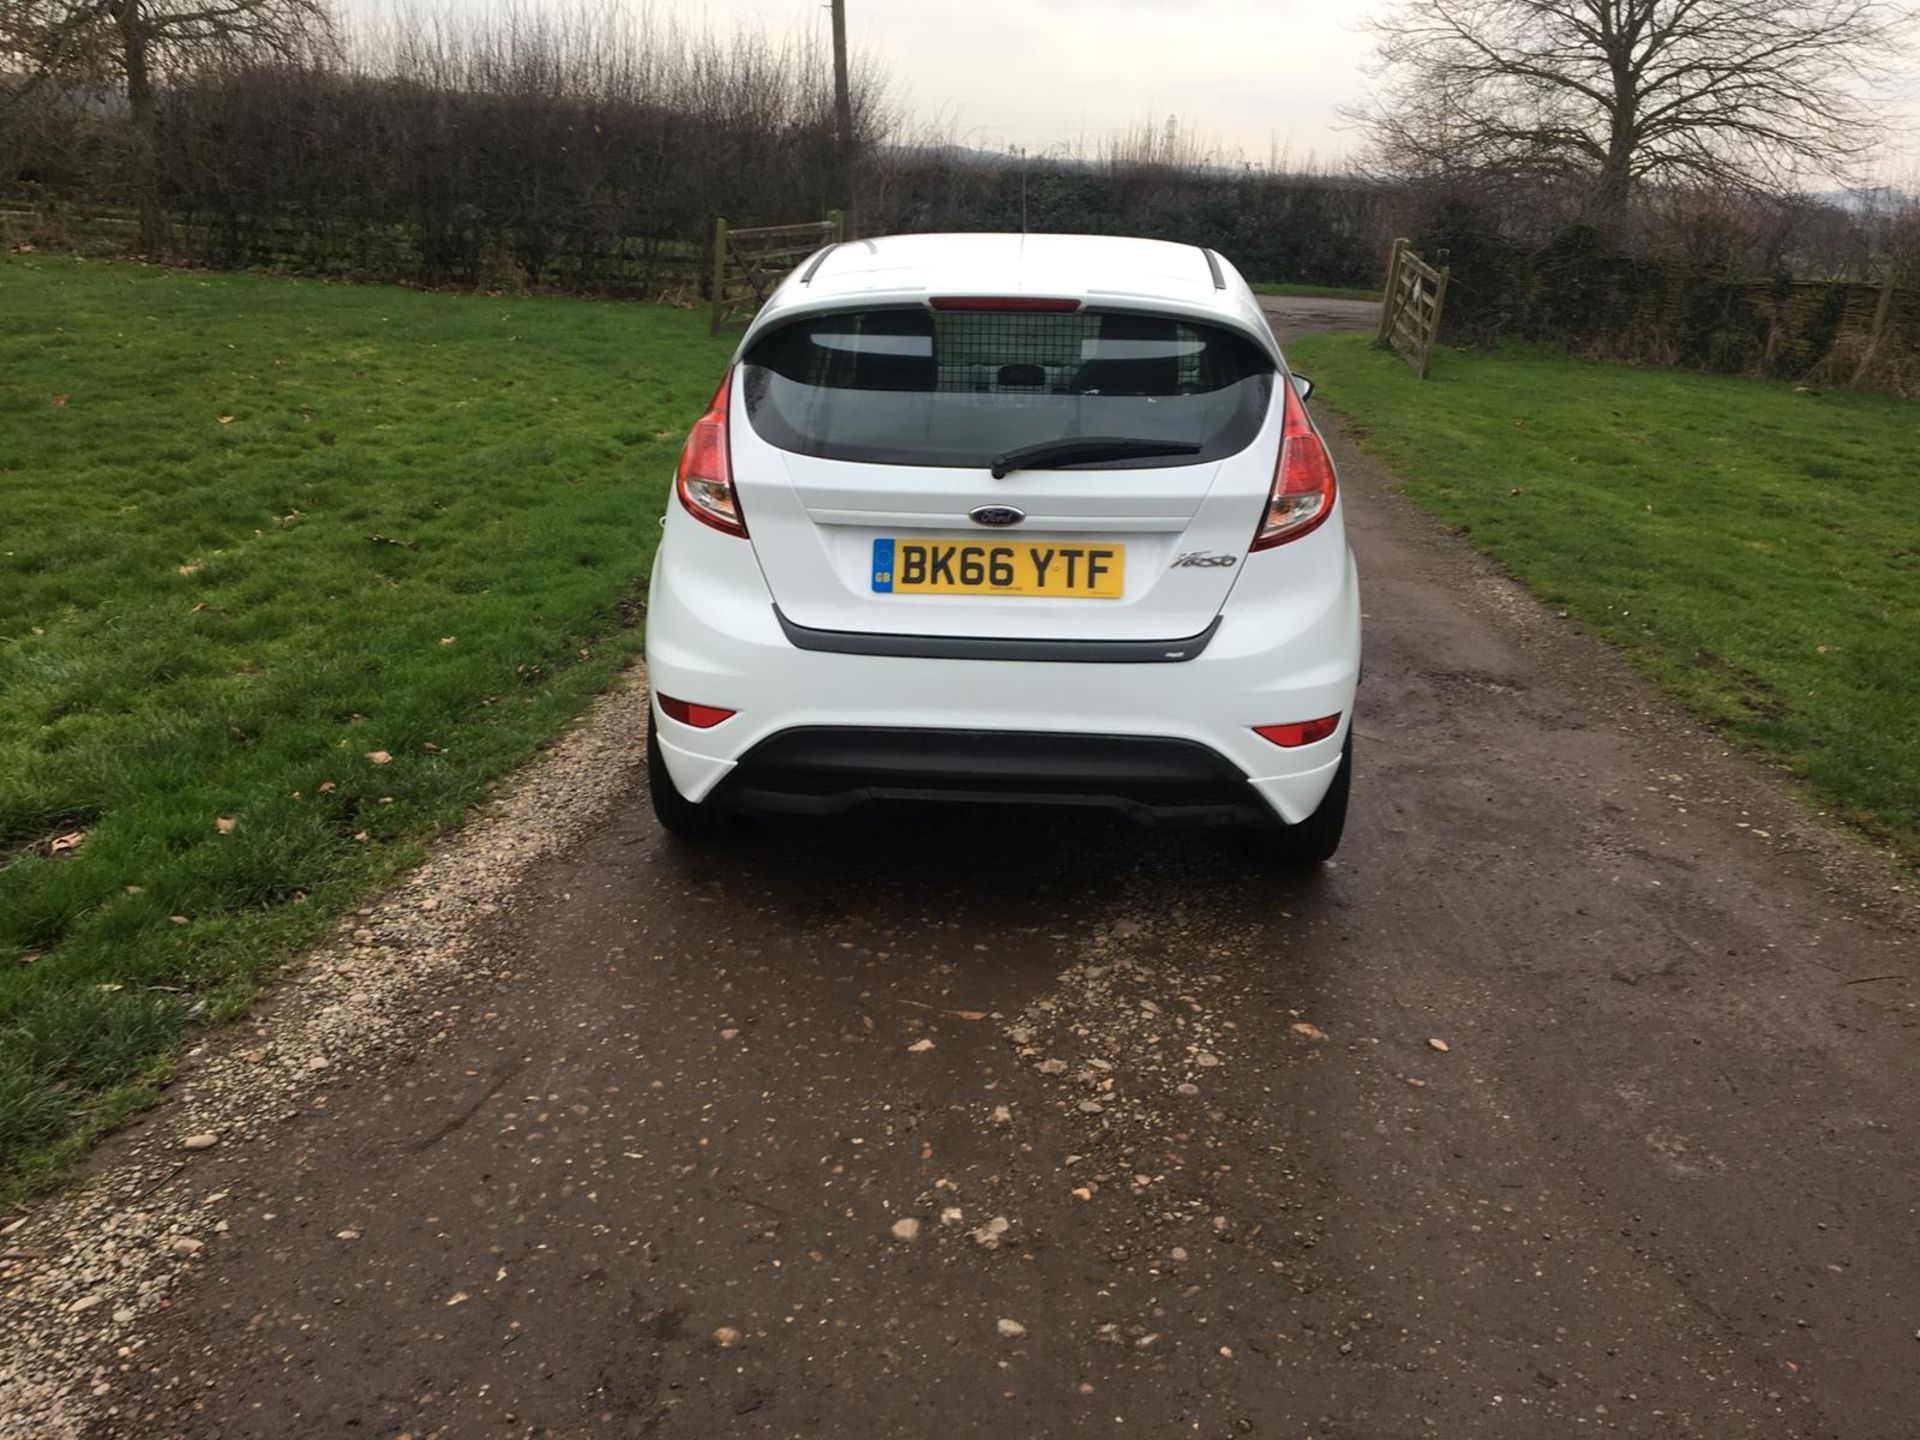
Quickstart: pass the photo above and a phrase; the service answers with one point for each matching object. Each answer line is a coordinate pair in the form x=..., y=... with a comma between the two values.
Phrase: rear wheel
x=1315, y=838
x=678, y=816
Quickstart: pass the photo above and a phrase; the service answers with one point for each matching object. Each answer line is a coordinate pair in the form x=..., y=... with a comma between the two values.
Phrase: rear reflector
x=1003, y=302
x=1299, y=732
x=701, y=717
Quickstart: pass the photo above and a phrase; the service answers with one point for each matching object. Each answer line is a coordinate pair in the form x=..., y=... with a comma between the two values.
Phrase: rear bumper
x=1283, y=650
x=822, y=770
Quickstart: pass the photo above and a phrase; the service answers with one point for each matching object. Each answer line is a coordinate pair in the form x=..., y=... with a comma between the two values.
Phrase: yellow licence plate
x=1068, y=569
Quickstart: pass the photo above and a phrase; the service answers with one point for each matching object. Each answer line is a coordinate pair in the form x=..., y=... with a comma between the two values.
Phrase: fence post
x=1872, y=351
x=837, y=219
x=1390, y=297
x=719, y=316
x=1433, y=329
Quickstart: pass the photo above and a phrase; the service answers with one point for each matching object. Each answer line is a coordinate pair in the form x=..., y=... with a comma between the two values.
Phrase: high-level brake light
x=1043, y=303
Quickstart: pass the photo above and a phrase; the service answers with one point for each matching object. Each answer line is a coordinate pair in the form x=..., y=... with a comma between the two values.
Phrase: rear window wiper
x=1048, y=454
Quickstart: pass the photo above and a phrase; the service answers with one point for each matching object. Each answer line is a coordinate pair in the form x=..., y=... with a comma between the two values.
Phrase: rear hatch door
x=864, y=444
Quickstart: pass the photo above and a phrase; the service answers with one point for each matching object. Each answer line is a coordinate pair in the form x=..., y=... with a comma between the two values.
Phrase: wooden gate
x=749, y=263
x=1410, y=312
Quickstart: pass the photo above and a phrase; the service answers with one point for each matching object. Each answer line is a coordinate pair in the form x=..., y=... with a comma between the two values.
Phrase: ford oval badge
x=996, y=515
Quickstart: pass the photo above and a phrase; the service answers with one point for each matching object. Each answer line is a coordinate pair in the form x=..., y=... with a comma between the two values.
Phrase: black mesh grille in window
x=995, y=351
x=911, y=349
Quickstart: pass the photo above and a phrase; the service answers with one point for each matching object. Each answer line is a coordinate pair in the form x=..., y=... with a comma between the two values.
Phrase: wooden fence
x=1410, y=312
x=377, y=250
x=749, y=263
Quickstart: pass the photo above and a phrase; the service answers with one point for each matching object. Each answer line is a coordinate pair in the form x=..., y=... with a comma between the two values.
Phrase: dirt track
x=1204, y=1155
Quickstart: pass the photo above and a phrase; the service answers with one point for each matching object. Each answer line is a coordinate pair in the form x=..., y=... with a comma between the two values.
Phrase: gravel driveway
x=1578, y=1097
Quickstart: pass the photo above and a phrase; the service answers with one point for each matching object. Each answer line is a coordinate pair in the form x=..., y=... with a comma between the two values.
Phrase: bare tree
x=85, y=43
x=1732, y=93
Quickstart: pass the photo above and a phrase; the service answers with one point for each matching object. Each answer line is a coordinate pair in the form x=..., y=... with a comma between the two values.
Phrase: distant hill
x=1861, y=198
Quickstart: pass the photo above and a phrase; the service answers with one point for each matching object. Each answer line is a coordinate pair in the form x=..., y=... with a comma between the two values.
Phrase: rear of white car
x=994, y=518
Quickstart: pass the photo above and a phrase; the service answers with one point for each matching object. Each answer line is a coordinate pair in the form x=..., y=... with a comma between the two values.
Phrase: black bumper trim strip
x=965, y=647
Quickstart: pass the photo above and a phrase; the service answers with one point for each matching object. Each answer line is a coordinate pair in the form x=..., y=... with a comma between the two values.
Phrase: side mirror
x=1302, y=386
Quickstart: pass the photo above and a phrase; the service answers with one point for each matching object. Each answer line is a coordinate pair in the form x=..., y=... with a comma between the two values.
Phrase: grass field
x=1311, y=292
x=226, y=708
x=1753, y=547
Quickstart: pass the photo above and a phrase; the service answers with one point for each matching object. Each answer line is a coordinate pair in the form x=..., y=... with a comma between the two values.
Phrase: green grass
x=1754, y=548
x=195, y=626
x=1311, y=292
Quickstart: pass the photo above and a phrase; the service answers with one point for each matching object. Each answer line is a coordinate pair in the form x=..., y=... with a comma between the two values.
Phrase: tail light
x=1302, y=495
x=704, y=480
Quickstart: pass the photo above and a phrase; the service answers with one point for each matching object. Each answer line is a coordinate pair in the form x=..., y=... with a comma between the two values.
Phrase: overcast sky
x=1244, y=75
x=1248, y=78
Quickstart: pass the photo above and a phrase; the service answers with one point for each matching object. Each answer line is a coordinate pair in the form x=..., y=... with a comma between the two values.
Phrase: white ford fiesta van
x=1033, y=519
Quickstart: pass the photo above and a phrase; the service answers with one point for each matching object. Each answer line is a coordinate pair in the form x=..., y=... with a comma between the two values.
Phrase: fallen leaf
x=177, y=919
x=726, y=1337
x=224, y=824
x=1416, y=1084
x=459, y=1297
x=188, y=568
x=1440, y=1045
x=199, y=607
x=447, y=639
x=223, y=419
x=326, y=787
x=133, y=889
x=919, y=1047
x=363, y=837
x=61, y=844
x=1312, y=1032
x=60, y=399
x=378, y=757
x=968, y=1014
x=1010, y=1329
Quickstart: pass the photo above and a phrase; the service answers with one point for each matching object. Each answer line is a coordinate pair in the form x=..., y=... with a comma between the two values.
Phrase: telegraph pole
x=842, y=104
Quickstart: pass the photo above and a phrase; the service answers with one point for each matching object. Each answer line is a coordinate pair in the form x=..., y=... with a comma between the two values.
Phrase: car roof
x=1109, y=271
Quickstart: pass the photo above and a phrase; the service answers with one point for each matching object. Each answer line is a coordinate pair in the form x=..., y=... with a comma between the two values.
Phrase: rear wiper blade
x=1050, y=453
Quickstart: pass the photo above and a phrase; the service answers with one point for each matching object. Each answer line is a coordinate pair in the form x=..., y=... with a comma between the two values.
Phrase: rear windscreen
x=913, y=386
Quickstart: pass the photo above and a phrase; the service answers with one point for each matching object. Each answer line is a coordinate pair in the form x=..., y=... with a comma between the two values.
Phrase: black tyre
x=678, y=816
x=1315, y=838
